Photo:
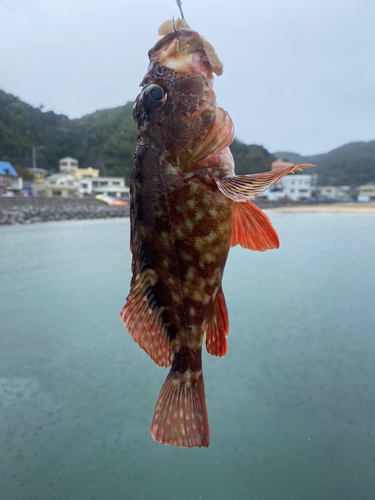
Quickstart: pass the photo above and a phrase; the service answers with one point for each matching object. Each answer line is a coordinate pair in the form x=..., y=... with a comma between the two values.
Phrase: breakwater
x=33, y=210
x=37, y=209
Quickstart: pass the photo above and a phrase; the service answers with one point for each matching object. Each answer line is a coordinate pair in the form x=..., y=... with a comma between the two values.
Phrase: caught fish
x=187, y=209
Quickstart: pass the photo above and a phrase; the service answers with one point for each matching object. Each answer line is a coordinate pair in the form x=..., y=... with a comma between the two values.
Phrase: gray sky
x=298, y=75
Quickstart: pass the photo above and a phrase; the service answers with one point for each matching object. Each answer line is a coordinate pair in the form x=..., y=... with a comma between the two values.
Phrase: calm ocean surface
x=291, y=406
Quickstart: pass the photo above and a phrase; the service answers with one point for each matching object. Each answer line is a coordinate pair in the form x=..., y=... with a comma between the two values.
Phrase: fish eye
x=154, y=96
x=156, y=93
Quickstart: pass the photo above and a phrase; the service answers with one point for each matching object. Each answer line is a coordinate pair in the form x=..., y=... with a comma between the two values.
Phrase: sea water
x=291, y=406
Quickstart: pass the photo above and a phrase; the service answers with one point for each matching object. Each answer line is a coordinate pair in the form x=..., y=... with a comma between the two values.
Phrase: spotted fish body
x=187, y=209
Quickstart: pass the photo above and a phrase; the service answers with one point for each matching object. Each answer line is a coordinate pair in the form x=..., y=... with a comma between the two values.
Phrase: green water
x=291, y=406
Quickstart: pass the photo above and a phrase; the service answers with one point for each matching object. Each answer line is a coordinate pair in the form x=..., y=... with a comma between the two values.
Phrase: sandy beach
x=344, y=208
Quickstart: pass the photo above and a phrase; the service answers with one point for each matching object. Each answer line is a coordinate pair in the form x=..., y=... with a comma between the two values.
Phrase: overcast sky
x=299, y=75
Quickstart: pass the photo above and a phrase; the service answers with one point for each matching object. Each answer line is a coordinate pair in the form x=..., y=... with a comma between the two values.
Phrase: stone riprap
x=29, y=214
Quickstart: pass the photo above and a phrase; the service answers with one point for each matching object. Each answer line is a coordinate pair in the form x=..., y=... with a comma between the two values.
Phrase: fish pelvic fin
x=242, y=188
x=180, y=417
x=252, y=229
x=217, y=327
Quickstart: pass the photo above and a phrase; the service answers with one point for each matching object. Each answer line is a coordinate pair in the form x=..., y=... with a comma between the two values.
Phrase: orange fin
x=217, y=327
x=252, y=229
x=180, y=417
x=247, y=187
x=143, y=321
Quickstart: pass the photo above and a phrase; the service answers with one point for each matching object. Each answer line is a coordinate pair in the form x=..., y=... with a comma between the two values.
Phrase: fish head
x=176, y=110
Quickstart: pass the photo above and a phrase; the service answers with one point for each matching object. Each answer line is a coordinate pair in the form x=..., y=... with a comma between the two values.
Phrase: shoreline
x=17, y=216
x=338, y=208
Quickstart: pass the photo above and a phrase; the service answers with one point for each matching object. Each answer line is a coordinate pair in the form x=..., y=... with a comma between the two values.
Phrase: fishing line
x=179, y=4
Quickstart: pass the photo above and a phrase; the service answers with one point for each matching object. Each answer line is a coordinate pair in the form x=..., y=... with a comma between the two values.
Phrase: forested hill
x=109, y=134
x=352, y=164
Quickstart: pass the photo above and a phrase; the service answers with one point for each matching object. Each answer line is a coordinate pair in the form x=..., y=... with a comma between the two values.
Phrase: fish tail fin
x=180, y=417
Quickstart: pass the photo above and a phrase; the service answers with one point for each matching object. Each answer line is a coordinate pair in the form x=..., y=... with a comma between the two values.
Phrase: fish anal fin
x=252, y=228
x=180, y=417
x=246, y=187
x=144, y=322
x=217, y=327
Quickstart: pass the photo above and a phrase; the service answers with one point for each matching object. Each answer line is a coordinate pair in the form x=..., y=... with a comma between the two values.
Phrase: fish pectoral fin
x=252, y=229
x=217, y=327
x=143, y=321
x=246, y=187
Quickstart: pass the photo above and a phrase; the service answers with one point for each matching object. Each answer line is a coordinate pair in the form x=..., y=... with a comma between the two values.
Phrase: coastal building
x=38, y=173
x=59, y=185
x=110, y=186
x=367, y=190
x=70, y=166
x=81, y=173
x=333, y=192
x=66, y=165
x=297, y=186
x=293, y=187
x=10, y=182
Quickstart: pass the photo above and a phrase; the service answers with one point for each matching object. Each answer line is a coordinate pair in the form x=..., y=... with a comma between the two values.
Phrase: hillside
x=109, y=134
x=352, y=164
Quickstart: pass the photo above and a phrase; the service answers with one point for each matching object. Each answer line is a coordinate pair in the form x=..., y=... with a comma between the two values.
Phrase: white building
x=334, y=192
x=293, y=187
x=62, y=180
x=61, y=185
x=67, y=164
x=110, y=186
x=297, y=186
x=366, y=191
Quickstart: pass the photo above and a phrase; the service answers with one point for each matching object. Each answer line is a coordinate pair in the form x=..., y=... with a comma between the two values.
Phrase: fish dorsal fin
x=247, y=187
x=143, y=318
x=252, y=229
x=217, y=327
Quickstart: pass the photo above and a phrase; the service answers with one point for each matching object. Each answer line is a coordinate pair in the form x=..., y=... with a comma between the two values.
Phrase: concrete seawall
x=32, y=210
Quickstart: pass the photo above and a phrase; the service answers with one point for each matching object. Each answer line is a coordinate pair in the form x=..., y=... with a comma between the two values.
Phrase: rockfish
x=187, y=209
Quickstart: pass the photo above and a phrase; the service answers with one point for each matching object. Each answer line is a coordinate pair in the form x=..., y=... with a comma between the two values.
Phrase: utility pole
x=34, y=157
x=34, y=149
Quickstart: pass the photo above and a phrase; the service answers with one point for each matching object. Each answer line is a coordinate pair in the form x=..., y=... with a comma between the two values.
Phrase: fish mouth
x=184, y=50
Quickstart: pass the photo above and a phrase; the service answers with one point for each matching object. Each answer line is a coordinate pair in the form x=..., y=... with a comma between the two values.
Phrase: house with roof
x=70, y=166
x=63, y=185
x=366, y=192
x=10, y=182
x=38, y=173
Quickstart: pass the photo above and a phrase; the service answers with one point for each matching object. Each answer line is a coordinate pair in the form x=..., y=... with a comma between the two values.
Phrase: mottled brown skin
x=183, y=223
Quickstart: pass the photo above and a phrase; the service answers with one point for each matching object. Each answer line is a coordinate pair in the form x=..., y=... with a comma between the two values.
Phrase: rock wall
x=28, y=214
